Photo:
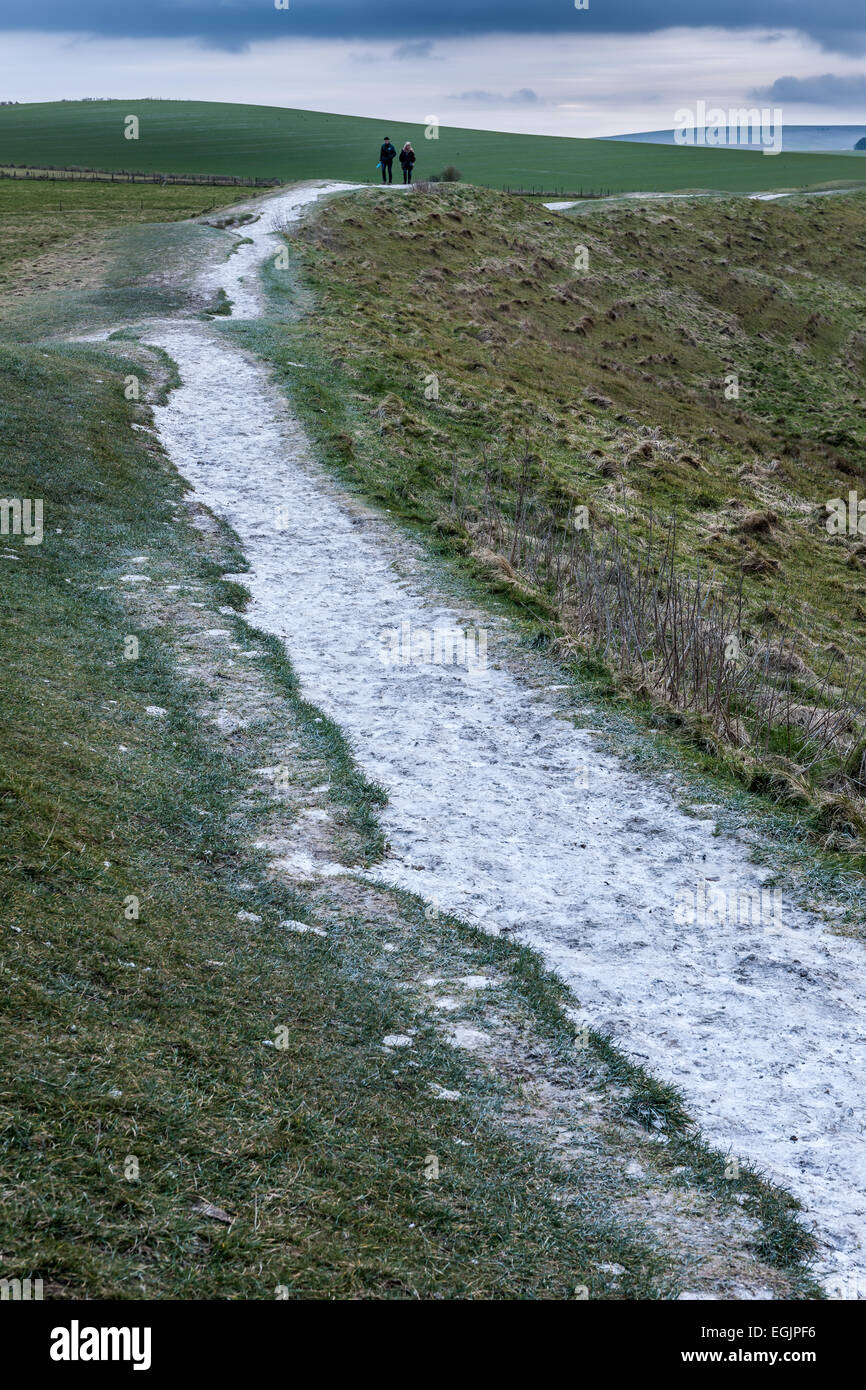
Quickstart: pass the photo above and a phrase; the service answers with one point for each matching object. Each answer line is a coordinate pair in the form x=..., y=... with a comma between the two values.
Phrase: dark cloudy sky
x=540, y=65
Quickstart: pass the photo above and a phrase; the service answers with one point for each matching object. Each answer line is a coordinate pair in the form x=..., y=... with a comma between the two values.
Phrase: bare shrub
x=681, y=639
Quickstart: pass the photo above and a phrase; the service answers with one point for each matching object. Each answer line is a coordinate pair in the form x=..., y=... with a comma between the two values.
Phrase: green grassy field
x=273, y=142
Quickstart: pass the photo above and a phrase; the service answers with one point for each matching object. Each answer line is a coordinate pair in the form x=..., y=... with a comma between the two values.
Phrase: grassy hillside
x=265, y=141
x=549, y=420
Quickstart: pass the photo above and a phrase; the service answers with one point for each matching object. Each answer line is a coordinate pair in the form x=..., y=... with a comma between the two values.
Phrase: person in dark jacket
x=386, y=159
x=407, y=159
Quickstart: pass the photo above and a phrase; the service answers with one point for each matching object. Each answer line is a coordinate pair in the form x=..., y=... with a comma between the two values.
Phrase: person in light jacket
x=407, y=159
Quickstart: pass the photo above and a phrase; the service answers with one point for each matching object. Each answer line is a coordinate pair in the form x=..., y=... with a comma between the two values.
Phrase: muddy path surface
x=503, y=810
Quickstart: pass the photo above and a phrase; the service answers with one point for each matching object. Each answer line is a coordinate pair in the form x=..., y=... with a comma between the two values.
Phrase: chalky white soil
x=502, y=810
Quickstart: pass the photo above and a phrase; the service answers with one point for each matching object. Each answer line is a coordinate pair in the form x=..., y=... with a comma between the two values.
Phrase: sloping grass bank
x=524, y=386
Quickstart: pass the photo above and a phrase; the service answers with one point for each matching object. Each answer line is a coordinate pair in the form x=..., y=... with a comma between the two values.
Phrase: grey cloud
x=419, y=50
x=838, y=25
x=827, y=90
x=524, y=97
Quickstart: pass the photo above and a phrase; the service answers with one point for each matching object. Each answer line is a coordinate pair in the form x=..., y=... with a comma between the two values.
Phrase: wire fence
x=558, y=193
x=82, y=174
x=85, y=174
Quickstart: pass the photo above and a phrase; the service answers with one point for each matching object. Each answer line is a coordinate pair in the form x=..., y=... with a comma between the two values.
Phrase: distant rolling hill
x=834, y=139
x=269, y=141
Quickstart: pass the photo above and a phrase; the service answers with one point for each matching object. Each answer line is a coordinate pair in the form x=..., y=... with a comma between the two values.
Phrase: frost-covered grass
x=75, y=257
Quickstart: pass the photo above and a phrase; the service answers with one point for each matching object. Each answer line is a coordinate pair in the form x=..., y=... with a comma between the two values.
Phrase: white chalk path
x=506, y=813
x=560, y=205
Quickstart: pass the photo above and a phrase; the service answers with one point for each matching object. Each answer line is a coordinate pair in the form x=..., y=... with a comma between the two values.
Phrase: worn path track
x=505, y=812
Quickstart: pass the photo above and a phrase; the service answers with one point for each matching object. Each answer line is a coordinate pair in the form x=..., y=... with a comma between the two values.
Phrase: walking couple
x=387, y=155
